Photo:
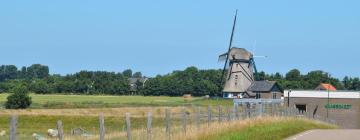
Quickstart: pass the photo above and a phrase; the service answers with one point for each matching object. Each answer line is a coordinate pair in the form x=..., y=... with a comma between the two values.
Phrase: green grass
x=27, y=125
x=273, y=130
x=92, y=101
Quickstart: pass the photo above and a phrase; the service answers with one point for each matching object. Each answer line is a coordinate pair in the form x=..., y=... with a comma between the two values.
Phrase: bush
x=20, y=99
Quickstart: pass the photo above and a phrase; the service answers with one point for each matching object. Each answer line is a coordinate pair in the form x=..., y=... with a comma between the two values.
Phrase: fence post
x=209, y=115
x=128, y=126
x=259, y=107
x=197, y=119
x=236, y=114
x=220, y=111
x=168, y=125
x=228, y=113
x=149, y=123
x=273, y=109
x=248, y=106
x=13, y=125
x=60, y=130
x=102, y=127
x=184, y=120
x=276, y=109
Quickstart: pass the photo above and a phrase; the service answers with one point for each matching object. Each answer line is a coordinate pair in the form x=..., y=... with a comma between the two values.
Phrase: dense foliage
x=19, y=99
x=189, y=81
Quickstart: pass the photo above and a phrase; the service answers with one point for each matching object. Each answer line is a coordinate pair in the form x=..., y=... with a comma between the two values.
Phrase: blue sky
x=157, y=37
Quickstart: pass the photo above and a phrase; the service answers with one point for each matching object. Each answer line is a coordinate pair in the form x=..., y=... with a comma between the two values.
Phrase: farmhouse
x=340, y=106
x=264, y=90
x=135, y=82
x=259, y=90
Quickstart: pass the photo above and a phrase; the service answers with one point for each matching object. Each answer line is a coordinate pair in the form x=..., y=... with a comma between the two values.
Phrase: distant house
x=264, y=90
x=135, y=82
x=324, y=86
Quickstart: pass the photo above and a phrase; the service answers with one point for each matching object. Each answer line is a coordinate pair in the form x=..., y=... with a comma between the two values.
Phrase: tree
x=127, y=73
x=8, y=72
x=19, y=99
x=293, y=75
x=37, y=71
x=137, y=75
x=40, y=87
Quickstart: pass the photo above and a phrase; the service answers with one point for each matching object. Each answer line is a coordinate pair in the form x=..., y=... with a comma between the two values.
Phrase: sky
x=158, y=37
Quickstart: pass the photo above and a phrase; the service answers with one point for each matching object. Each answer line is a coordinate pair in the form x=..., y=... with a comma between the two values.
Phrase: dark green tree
x=37, y=71
x=40, y=87
x=127, y=73
x=293, y=75
x=137, y=75
x=19, y=99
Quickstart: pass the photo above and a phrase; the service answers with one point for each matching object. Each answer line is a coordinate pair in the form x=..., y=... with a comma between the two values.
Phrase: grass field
x=82, y=111
x=91, y=101
x=266, y=128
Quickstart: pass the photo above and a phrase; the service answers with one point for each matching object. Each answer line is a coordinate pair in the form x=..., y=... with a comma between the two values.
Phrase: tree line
x=36, y=79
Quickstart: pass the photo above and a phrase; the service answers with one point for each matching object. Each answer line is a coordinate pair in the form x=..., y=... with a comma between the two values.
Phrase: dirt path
x=333, y=134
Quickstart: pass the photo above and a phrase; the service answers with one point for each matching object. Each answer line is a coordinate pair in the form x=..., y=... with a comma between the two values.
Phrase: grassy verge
x=97, y=101
x=260, y=129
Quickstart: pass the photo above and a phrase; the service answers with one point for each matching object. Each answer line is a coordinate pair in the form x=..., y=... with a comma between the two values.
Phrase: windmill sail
x=222, y=57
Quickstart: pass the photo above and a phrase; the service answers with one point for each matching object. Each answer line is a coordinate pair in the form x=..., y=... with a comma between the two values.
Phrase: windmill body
x=240, y=71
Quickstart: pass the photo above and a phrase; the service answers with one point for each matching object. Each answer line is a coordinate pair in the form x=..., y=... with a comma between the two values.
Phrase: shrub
x=20, y=99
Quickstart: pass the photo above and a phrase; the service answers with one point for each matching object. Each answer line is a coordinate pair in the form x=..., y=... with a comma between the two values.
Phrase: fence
x=181, y=121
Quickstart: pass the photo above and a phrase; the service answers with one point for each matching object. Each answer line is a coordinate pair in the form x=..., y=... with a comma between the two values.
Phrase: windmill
x=239, y=68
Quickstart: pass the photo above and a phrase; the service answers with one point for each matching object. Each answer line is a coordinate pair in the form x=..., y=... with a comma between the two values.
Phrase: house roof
x=134, y=80
x=262, y=86
x=324, y=86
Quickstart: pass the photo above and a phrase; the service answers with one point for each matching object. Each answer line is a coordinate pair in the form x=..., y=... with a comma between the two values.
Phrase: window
x=274, y=95
x=301, y=108
x=258, y=96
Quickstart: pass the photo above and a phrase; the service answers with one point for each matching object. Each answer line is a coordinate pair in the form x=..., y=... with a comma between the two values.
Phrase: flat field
x=269, y=128
x=81, y=111
x=98, y=101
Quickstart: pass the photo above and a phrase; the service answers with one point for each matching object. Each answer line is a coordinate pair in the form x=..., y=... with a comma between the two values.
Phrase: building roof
x=322, y=94
x=263, y=86
x=324, y=86
x=134, y=80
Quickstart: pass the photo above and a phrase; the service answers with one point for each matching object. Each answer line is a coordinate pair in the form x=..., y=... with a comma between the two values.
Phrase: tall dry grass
x=135, y=111
x=203, y=133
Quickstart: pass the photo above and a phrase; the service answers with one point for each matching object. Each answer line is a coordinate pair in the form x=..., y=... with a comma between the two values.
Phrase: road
x=333, y=134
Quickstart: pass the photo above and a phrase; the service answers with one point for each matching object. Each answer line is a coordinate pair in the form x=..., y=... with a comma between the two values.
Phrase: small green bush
x=20, y=99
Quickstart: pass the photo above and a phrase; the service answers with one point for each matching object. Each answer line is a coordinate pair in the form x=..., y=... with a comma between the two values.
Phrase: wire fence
x=185, y=121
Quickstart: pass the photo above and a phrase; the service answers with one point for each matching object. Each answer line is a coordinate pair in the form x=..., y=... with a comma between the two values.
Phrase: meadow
x=82, y=111
x=105, y=101
x=259, y=128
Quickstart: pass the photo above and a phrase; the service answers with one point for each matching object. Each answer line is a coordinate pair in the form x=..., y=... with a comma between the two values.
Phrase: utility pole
x=288, y=100
x=328, y=98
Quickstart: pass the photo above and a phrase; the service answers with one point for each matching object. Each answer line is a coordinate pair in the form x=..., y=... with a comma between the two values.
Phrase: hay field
x=98, y=101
